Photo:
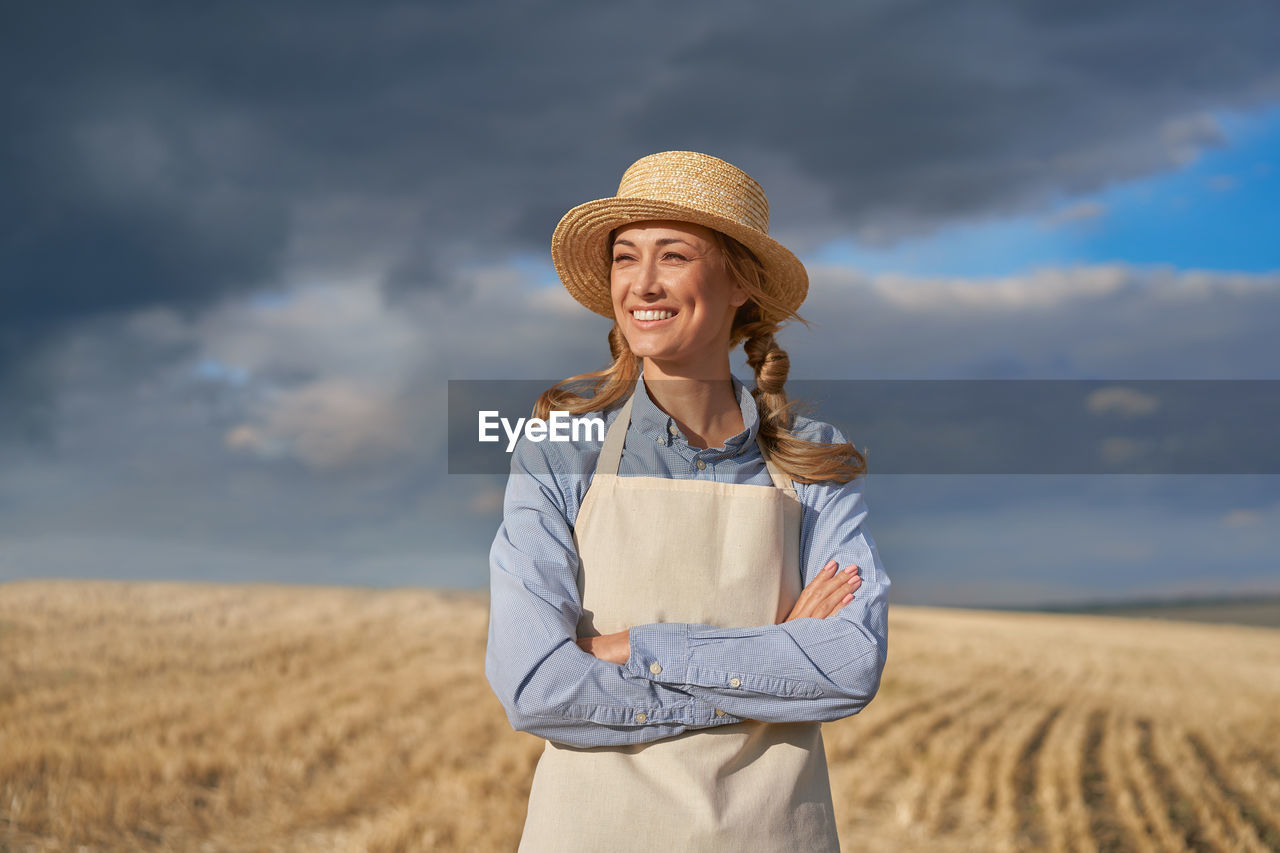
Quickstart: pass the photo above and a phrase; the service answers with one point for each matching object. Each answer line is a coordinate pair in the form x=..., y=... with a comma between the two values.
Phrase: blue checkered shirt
x=806, y=669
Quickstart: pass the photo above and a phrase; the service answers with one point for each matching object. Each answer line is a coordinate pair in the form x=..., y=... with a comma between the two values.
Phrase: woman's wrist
x=615, y=647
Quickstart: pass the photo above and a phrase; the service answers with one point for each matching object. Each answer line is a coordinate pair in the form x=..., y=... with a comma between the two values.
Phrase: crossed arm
x=822, y=663
x=829, y=591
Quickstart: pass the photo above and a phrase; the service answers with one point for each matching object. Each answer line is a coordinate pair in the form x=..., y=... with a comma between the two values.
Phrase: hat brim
x=581, y=256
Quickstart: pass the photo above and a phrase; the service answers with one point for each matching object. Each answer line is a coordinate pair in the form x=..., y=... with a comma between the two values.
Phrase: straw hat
x=683, y=186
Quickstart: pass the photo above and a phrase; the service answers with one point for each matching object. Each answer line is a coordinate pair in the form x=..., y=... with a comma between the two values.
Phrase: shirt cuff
x=694, y=714
x=659, y=652
x=675, y=653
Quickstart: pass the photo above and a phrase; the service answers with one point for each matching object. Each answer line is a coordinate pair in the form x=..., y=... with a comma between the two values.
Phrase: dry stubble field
x=168, y=716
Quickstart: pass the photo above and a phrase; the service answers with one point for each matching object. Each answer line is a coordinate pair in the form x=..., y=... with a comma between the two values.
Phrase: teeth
x=652, y=315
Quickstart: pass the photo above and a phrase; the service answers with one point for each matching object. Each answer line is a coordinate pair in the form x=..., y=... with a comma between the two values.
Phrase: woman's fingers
x=838, y=598
x=827, y=593
x=809, y=595
x=837, y=592
x=833, y=593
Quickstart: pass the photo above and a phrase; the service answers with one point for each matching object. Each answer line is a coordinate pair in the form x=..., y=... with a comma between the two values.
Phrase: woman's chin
x=642, y=344
x=652, y=349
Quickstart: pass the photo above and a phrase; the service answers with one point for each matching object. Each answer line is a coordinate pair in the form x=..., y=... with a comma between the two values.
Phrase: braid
x=804, y=461
x=771, y=365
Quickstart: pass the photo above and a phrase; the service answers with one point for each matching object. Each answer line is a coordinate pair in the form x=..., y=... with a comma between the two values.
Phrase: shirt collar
x=654, y=422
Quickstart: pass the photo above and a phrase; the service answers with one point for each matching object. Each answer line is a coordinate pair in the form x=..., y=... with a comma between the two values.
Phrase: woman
x=647, y=616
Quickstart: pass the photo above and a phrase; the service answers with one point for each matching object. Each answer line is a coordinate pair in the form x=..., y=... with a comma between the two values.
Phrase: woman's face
x=673, y=268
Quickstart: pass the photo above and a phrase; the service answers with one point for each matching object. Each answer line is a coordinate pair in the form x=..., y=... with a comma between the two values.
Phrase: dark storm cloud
x=166, y=153
x=913, y=113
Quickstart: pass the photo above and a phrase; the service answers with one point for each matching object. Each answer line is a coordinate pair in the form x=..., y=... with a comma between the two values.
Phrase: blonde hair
x=754, y=325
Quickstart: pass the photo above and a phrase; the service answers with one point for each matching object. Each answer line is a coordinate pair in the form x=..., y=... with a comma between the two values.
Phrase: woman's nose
x=646, y=279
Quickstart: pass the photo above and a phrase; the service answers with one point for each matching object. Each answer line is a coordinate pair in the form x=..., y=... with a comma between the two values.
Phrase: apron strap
x=780, y=478
x=611, y=451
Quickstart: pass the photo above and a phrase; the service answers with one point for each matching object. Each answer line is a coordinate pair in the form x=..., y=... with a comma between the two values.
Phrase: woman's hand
x=830, y=590
x=615, y=647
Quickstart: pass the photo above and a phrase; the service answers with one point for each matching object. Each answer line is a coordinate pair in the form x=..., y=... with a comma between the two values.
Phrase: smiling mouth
x=649, y=319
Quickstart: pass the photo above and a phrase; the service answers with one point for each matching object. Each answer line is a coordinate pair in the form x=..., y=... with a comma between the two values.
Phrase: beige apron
x=655, y=549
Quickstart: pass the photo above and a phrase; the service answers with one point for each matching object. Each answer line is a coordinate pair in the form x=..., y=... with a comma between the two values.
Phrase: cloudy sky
x=243, y=248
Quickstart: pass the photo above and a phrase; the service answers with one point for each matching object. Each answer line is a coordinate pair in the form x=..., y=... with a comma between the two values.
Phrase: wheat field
x=182, y=716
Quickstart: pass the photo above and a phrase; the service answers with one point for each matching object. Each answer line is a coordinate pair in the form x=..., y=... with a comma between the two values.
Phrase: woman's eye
x=668, y=256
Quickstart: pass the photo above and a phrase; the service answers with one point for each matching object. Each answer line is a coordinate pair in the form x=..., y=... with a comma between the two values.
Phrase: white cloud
x=1260, y=520
x=1037, y=291
x=1169, y=285
x=1121, y=450
x=1241, y=518
x=1101, y=321
x=1185, y=137
x=557, y=301
x=1117, y=399
x=335, y=375
x=329, y=423
x=344, y=327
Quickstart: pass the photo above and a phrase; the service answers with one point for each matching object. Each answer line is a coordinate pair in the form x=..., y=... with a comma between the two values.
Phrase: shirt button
x=735, y=682
x=655, y=667
x=671, y=428
x=641, y=717
x=661, y=440
x=700, y=464
x=719, y=713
